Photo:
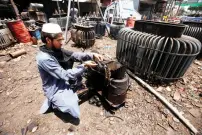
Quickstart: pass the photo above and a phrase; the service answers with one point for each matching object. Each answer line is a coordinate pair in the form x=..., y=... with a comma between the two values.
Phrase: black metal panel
x=156, y=58
x=194, y=29
x=160, y=28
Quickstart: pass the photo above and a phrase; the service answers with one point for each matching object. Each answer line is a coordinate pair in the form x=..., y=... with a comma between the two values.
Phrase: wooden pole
x=165, y=101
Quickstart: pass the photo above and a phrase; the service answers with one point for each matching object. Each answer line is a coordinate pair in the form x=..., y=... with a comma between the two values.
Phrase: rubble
x=141, y=104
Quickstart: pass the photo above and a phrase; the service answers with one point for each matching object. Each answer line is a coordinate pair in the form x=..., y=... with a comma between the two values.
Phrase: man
x=59, y=79
x=74, y=14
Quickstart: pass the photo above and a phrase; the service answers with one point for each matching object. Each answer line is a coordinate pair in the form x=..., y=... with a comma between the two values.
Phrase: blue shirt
x=54, y=77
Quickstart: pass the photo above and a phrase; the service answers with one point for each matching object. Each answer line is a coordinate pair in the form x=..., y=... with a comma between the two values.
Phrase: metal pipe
x=73, y=10
x=78, y=7
x=59, y=12
x=15, y=9
x=67, y=22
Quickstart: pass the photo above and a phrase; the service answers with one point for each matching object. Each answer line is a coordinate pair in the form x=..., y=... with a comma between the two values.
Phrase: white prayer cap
x=51, y=28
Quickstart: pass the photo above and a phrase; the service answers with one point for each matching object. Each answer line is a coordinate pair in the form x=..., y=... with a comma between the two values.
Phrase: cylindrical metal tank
x=162, y=56
x=19, y=31
x=99, y=26
x=83, y=36
x=115, y=28
x=194, y=29
x=6, y=38
x=110, y=77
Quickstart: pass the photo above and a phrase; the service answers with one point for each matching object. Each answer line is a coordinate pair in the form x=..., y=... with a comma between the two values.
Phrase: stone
x=101, y=113
x=111, y=118
x=17, y=59
x=198, y=62
x=159, y=89
x=8, y=93
x=28, y=100
x=28, y=121
x=176, y=96
x=149, y=100
x=111, y=122
x=200, y=68
x=168, y=88
x=70, y=133
x=72, y=129
x=32, y=127
x=176, y=119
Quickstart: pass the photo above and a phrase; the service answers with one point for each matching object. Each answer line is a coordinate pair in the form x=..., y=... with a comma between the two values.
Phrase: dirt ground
x=21, y=97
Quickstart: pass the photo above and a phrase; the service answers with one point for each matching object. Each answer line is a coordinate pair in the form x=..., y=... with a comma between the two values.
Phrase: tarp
x=191, y=4
x=128, y=10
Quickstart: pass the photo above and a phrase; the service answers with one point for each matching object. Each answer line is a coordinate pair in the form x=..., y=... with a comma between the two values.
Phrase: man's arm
x=53, y=68
x=80, y=56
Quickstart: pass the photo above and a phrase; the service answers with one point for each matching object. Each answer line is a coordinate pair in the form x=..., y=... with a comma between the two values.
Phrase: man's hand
x=97, y=57
x=90, y=64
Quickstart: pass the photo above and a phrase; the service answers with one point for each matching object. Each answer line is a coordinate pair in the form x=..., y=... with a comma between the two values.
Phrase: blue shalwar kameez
x=55, y=81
